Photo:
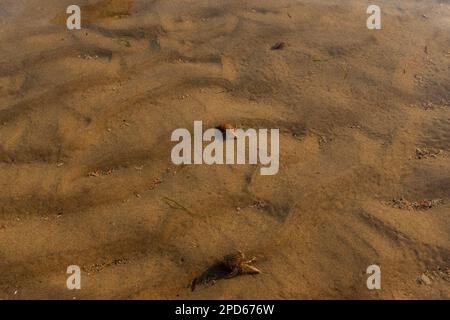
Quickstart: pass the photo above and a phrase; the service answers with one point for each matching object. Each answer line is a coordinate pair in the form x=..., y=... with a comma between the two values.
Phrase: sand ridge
x=85, y=168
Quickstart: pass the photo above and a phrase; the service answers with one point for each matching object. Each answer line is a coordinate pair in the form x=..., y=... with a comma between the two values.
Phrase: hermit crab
x=230, y=266
x=227, y=127
x=237, y=264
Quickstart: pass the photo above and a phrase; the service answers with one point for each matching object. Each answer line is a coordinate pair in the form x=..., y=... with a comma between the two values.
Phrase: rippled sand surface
x=85, y=169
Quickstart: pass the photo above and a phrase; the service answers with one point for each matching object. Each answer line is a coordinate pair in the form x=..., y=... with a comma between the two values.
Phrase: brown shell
x=233, y=260
x=226, y=126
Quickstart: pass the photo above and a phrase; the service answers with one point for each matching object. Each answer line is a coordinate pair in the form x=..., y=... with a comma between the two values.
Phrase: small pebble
x=424, y=280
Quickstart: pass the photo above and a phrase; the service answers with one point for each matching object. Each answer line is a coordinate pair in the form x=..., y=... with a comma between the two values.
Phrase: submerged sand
x=85, y=169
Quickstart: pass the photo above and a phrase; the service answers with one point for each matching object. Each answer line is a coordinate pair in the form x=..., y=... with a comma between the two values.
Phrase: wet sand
x=85, y=168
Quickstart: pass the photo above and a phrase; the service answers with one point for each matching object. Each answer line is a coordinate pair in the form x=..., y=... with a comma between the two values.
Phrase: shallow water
x=86, y=119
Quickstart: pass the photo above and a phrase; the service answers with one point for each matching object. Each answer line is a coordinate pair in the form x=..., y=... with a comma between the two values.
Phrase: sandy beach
x=86, y=175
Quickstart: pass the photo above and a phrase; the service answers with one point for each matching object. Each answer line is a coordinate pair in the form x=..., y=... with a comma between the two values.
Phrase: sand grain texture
x=85, y=124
